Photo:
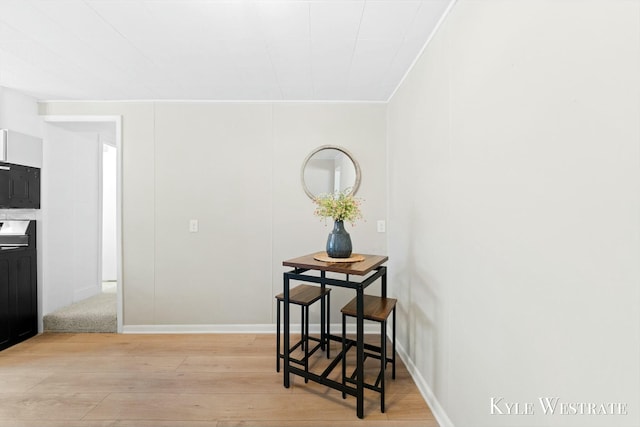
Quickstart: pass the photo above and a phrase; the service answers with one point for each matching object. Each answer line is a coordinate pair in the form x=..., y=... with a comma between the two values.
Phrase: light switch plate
x=381, y=226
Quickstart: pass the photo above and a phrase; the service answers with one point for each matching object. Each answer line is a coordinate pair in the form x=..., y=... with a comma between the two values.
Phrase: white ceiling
x=212, y=49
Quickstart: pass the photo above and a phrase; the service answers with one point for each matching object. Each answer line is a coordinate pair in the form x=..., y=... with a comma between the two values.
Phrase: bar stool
x=304, y=296
x=376, y=309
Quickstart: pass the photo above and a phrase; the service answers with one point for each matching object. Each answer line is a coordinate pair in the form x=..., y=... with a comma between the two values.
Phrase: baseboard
x=199, y=329
x=336, y=328
x=438, y=411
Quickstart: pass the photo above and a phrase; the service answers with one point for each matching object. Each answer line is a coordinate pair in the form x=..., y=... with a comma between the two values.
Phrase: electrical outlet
x=193, y=226
x=381, y=226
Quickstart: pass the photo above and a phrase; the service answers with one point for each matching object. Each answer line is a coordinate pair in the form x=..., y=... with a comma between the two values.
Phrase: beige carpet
x=95, y=314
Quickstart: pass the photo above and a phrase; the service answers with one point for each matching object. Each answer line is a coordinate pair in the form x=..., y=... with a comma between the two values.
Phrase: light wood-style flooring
x=219, y=380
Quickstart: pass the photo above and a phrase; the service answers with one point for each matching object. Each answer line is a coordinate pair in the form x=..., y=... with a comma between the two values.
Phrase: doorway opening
x=81, y=244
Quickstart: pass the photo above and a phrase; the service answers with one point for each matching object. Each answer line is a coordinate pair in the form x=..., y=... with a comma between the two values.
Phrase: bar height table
x=301, y=266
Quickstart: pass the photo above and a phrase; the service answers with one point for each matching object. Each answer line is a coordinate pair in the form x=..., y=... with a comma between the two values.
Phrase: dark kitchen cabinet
x=19, y=186
x=18, y=294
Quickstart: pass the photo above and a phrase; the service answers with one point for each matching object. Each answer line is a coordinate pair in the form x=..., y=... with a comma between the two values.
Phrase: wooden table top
x=359, y=268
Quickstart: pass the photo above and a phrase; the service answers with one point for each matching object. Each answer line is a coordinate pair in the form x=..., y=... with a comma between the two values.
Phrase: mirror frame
x=355, y=186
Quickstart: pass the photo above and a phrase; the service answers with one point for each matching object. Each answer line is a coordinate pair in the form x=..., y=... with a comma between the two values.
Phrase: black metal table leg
x=383, y=280
x=306, y=342
x=360, y=353
x=278, y=336
x=327, y=326
x=323, y=337
x=286, y=330
x=393, y=335
x=383, y=360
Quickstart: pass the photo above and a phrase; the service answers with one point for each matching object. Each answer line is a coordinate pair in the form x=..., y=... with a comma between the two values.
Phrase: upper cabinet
x=19, y=186
x=20, y=149
x=20, y=163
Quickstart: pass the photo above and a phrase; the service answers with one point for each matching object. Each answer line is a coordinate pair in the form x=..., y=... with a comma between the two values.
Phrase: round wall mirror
x=329, y=169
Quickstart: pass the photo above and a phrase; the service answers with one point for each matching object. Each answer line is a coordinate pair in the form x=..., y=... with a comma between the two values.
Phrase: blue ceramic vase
x=339, y=241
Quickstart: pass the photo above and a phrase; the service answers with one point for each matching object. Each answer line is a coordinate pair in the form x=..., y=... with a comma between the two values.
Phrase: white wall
x=514, y=173
x=212, y=164
x=70, y=176
x=235, y=167
x=109, y=252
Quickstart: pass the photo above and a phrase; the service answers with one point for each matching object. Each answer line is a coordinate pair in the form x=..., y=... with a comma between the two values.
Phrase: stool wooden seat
x=304, y=296
x=377, y=309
